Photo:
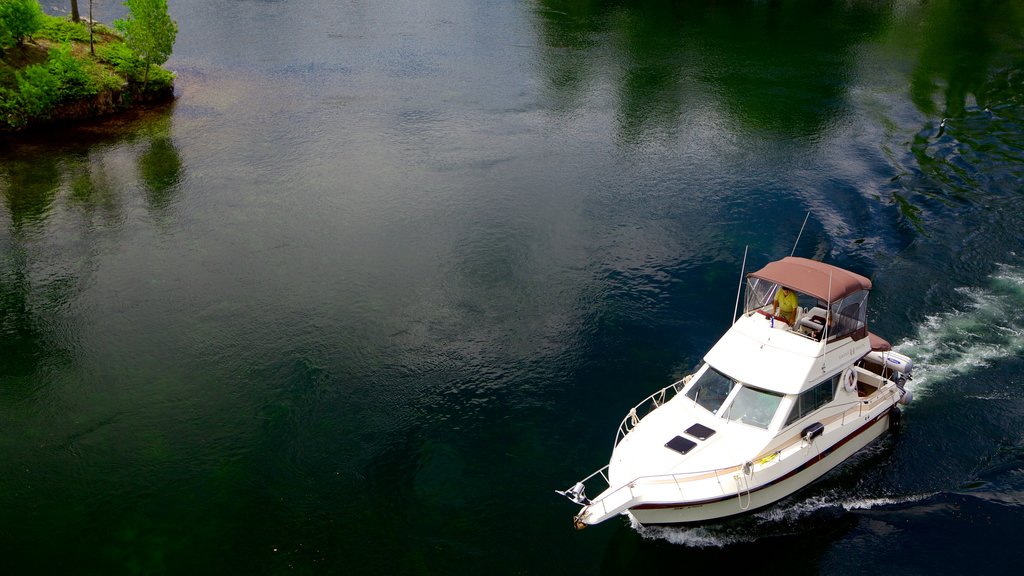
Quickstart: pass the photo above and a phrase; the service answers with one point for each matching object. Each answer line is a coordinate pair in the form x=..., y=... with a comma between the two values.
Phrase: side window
x=813, y=398
x=849, y=315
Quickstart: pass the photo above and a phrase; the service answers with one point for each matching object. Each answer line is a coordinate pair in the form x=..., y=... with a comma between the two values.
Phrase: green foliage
x=62, y=29
x=148, y=31
x=6, y=38
x=62, y=78
x=160, y=78
x=20, y=18
x=35, y=90
x=129, y=65
x=122, y=59
x=11, y=113
x=101, y=76
x=72, y=80
x=38, y=89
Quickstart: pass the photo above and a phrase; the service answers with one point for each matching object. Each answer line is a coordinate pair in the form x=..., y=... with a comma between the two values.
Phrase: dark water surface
x=388, y=273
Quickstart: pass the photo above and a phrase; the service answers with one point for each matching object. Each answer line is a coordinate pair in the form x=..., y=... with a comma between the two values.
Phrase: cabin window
x=710, y=390
x=849, y=316
x=811, y=399
x=753, y=406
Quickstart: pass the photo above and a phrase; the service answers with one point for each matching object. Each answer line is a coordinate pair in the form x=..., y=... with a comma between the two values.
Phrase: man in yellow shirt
x=785, y=303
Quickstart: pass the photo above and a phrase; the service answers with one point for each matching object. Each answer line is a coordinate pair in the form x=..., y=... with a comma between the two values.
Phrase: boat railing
x=618, y=498
x=857, y=407
x=648, y=405
x=615, y=500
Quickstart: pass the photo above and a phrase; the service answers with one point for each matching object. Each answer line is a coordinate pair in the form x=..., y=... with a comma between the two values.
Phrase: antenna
x=828, y=317
x=801, y=233
x=739, y=288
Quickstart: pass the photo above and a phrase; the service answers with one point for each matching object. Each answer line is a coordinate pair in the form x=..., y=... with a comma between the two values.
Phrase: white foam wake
x=777, y=520
x=987, y=326
x=833, y=500
x=712, y=536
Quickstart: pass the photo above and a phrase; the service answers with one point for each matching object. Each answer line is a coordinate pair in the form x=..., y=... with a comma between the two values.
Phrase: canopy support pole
x=739, y=289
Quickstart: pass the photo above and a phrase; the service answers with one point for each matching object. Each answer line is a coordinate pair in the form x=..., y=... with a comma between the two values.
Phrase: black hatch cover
x=700, y=431
x=680, y=444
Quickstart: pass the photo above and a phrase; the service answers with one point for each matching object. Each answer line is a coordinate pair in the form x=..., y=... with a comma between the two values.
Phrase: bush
x=128, y=64
x=101, y=76
x=122, y=59
x=42, y=86
x=20, y=18
x=160, y=78
x=72, y=80
x=11, y=112
x=37, y=89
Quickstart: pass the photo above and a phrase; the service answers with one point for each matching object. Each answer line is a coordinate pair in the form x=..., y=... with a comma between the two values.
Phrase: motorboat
x=775, y=404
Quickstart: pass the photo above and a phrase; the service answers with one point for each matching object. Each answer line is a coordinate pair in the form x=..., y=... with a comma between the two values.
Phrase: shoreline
x=104, y=104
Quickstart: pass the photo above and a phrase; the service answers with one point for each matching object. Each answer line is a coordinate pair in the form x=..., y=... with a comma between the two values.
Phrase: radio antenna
x=801, y=233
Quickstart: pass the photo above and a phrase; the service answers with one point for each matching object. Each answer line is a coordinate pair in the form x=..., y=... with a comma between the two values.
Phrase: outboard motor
x=893, y=361
x=907, y=396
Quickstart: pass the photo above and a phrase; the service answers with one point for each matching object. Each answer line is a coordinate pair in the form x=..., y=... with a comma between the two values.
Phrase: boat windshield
x=711, y=390
x=760, y=294
x=753, y=406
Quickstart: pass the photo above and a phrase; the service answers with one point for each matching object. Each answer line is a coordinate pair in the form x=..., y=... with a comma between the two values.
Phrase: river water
x=388, y=273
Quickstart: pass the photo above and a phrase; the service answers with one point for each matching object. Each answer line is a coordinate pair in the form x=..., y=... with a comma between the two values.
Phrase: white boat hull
x=762, y=495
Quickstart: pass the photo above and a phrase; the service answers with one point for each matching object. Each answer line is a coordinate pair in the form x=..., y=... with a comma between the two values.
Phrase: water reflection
x=82, y=166
x=966, y=82
x=21, y=335
x=62, y=196
x=29, y=187
x=962, y=45
x=776, y=66
x=161, y=169
x=92, y=192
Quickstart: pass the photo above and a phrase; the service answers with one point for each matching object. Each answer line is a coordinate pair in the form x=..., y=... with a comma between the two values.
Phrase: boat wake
x=989, y=327
x=779, y=520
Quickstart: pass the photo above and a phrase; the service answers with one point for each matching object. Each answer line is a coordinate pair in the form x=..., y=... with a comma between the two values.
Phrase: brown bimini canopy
x=812, y=277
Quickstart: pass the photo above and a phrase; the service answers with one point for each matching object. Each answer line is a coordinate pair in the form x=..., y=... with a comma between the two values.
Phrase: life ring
x=850, y=380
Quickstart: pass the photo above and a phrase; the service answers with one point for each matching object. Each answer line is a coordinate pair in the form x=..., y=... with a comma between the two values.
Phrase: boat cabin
x=766, y=363
x=832, y=302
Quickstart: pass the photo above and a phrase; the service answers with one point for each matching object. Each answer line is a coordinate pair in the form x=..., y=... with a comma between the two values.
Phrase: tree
x=19, y=18
x=74, y=11
x=149, y=32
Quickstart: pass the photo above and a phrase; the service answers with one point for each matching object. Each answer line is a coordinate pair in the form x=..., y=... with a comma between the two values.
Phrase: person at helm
x=785, y=302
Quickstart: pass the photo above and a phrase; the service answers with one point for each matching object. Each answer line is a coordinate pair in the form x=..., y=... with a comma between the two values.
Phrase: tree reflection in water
x=63, y=192
x=967, y=83
x=771, y=65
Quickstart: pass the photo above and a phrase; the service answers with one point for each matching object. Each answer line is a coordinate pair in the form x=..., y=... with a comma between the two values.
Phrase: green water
x=387, y=274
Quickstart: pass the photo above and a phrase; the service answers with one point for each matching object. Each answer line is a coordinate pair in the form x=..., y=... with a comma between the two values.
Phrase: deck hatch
x=680, y=444
x=700, y=431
